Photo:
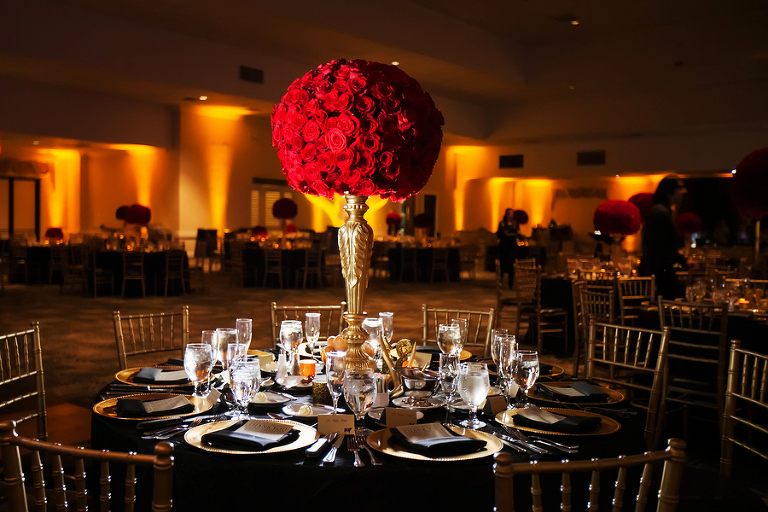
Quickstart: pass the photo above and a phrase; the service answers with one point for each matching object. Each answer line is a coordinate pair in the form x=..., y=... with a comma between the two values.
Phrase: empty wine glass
x=335, y=365
x=373, y=326
x=360, y=393
x=312, y=330
x=290, y=336
x=448, y=373
x=473, y=388
x=246, y=379
x=448, y=338
x=224, y=336
x=387, y=326
x=506, y=379
x=244, y=328
x=463, y=324
x=209, y=338
x=198, y=361
x=525, y=371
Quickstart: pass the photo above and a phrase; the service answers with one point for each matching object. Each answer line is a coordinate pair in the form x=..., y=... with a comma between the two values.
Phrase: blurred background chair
x=102, y=278
x=133, y=270
x=312, y=267
x=330, y=318
x=592, y=305
x=149, y=333
x=634, y=293
x=527, y=285
x=479, y=326
x=409, y=263
x=439, y=264
x=74, y=274
x=174, y=270
x=273, y=265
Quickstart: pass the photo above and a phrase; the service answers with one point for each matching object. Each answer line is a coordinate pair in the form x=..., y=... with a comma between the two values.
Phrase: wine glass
x=463, y=324
x=387, y=326
x=506, y=381
x=335, y=365
x=448, y=338
x=473, y=388
x=246, y=379
x=290, y=336
x=496, y=348
x=312, y=329
x=448, y=371
x=198, y=361
x=224, y=336
x=244, y=328
x=360, y=393
x=373, y=326
x=209, y=338
x=525, y=371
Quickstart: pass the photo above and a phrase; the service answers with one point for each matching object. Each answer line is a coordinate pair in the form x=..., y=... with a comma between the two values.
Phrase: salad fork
x=354, y=448
x=362, y=444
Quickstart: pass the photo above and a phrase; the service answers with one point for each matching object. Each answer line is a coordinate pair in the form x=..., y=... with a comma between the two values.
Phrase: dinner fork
x=362, y=444
x=172, y=431
x=352, y=446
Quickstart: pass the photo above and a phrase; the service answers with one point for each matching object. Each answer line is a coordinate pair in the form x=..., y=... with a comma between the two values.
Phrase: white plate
x=273, y=400
x=408, y=402
x=317, y=410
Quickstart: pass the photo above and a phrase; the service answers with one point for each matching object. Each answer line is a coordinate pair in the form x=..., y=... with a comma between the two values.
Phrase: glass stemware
x=448, y=338
x=246, y=379
x=360, y=393
x=525, y=371
x=387, y=326
x=312, y=330
x=224, y=336
x=198, y=361
x=290, y=336
x=244, y=328
x=335, y=365
x=507, y=346
x=209, y=338
x=448, y=373
x=463, y=324
x=473, y=388
x=373, y=326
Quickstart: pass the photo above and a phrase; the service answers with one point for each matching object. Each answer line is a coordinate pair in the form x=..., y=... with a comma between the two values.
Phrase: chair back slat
x=149, y=333
x=330, y=318
x=479, y=326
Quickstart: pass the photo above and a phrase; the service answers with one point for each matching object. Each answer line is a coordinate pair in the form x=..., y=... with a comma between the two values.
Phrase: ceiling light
x=203, y=98
x=574, y=22
x=395, y=63
x=617, y=175
x=733, y=171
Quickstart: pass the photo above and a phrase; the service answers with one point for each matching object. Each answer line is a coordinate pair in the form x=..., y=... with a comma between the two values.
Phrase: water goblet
x=244, y=328
x=246, y=379
x=463, y=324
x=525, y=371
x=360, y=392
x=448, y=338
x=335, y=365
x=290, y=336
x=312, y=330
x=198, y=361
x=387, y=326
x=448, y=373
x=473, y=388
x=224, y=336
x=373, y=326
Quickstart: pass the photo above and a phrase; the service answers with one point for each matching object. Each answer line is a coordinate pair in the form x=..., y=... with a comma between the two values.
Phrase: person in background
x=507, y=234
x=661, y=243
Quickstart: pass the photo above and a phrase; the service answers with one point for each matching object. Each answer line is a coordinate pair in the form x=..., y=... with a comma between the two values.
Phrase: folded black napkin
x=154, y=376
x=441, y=446
x=568, y=424
x=135, y=408
x=588, y=392
x=229, y=439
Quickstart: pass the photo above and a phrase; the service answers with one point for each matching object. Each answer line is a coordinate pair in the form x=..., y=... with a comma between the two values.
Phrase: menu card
x=267, y=430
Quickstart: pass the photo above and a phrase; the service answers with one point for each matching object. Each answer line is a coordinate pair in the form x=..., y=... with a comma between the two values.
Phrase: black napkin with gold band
x=441, y=446
x=578, y=391
x=136, y=408
x=546, y=420
x=160, y=376
x=229, y=439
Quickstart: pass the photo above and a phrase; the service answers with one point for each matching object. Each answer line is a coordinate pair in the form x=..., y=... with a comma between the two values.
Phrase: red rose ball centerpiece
x=358, y=129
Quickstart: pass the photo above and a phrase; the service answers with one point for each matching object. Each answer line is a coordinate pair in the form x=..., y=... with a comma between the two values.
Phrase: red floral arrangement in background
x=423, y=220
x=135, y=214
x=258, y=232
x=54, y=233
x=394, y=219
x=284, y=208
x=616, y=217
x=643, y=201
x=357, y=127
x=520, y=216
x=688, y=223
x=290, y=228
x=749, y=188
x=120, y=213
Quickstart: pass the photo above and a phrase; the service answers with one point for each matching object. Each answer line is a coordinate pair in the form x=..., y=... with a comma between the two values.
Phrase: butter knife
x=506, y=443
x=331, y=456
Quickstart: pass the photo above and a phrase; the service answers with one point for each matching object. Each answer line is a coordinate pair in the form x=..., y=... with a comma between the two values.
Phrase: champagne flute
x=373, y=326
x=335, y=365
x=463, y=324
x=290, y=336
x=507, y=350
x=198, y=361
x=246, y=379
x=312, y=328
x=448, y=372
x=473, y=387
x=387, y=326
x=235, y=353
x=244, y=328
x=360, y=393
x=448, y=338
x=224, y=336
x=209, y=338
x=525, y=371
x=496, y=349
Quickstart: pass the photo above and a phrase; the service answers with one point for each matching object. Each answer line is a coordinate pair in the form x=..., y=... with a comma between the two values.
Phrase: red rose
x=357, y=84
x=345, y=159
x=312, y=171
x=369, y=125
x=311, y=107
x=308, y=152
x=365, y=105
x=382, y=90
x=325, y=161
x=366, y=187
x=386, y=158
x=351, y=177
x=311, y=131
x=335, y=140
x=365, y=164
x=387, y=123
x=370, y=143
x=347, y=124
x=390, y=105
x=321, y=116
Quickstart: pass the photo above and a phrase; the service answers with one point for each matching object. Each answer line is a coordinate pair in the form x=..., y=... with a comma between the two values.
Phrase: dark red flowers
x=55, y=233
x=370, y=128
x=750, y=184
x=423, y=220
x=688, y=223
x=284, y=208
x=643, y=201
x=137, y=214
x=617, y=218
x=520, y=216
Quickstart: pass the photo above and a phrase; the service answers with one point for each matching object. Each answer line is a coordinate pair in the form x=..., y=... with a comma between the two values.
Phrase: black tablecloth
x=424, y=262
x=253, y=266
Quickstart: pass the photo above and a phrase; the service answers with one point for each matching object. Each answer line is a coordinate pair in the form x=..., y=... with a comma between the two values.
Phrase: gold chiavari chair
x=330, y=318
x=627, y=493
x=22, y=499
x=593, y=305
x=439, y=264
x=746, y=400
x=529, y=309
x=148, y=333
x=22, y=385
x=479, y=326
x=634, y=293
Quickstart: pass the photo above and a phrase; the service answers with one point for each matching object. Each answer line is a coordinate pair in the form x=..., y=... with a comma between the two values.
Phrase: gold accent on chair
x=631, y=356
x=528, y=296
x=10, y=442
x=330, y=318
x=150, y=332
x=479, y=326
x=22, y=385
x=672, y=460
x=746, y=398
x=634, y=293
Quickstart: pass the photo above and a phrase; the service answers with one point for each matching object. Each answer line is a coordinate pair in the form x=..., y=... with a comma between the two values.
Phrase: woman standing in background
x=507, y=234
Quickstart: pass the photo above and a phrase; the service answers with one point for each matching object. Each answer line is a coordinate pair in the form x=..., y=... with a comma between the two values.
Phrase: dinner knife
x=506, y=443
x=331, y=456
x=318, y=446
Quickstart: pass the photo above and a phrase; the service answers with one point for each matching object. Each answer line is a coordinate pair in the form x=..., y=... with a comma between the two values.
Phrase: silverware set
x=169, y=432
x=355, y=444
x=527, y=442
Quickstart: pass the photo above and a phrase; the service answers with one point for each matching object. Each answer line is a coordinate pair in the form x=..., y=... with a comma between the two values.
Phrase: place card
x=165, y=404
x=269, y=430
x=494, y=405
x=424, y=432
x=171, y=376
x=397, y=416
x=214, y=396
x=344, y=424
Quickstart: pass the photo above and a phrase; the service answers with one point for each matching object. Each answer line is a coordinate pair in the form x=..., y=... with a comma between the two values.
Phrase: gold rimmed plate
x=108, y=407
x=614, y=397
x=126, y=377
x=607, y=425
x=382, y=441
x=307, y=436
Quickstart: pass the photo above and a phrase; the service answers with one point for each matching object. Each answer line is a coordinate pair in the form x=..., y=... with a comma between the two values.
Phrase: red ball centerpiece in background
x=394, y=220
x=615, y=217
x=359, y=129
x=137, y=214
x=520, y=216
x=285, y=208
x=54, y=234
x=643, y=201
x=688, y=223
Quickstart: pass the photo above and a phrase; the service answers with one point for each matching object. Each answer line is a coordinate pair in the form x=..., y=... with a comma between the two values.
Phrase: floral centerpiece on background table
x=394, y=220
x=750, y=189
x=285, y=209
x=613, y=220
x=359, y=129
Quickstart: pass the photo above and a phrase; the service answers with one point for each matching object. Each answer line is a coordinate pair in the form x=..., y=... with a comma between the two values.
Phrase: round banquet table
x=205, y=481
